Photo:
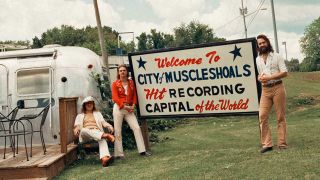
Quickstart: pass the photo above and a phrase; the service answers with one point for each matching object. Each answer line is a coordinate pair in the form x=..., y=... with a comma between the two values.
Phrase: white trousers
x=118, y=116
x=95, y=134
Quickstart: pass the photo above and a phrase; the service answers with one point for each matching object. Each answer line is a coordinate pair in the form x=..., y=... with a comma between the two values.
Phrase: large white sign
x=201, y=80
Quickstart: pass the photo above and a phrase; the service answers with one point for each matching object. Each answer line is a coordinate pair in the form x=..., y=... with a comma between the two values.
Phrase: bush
x=303, y=101
x=162, y=124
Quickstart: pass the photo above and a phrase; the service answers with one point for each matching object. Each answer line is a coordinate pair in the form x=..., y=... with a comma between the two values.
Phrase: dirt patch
x=304, y=102
x=313, y=97
x=312, y=77
x=301, y=108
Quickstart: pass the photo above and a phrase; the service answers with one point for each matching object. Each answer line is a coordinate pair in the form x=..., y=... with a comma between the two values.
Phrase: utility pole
x=243, y=12
x=274, y=27
x=125, y=33
x=101, y=39
x=285, y=48
x=119, y=49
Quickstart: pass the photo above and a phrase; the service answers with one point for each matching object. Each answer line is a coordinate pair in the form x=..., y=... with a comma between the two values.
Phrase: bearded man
x=271, y=69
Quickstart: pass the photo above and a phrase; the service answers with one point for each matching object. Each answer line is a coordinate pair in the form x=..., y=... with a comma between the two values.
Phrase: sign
x=207, y=79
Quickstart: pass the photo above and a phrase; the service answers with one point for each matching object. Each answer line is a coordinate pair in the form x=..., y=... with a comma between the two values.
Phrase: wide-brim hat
x=87, y=99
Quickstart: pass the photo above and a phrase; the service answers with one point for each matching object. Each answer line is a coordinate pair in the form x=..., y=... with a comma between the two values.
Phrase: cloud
x=177, y=10
x=224, y=17
x=24, y=19
x=297, y=13
x=137, y=27
x=292, y=42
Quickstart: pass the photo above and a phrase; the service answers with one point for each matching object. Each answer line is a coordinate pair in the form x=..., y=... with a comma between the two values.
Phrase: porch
x=39, y=165
x=56, y=158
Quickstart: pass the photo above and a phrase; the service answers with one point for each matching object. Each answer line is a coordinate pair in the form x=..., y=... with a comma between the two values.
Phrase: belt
x=272, y=84
x=91, y=128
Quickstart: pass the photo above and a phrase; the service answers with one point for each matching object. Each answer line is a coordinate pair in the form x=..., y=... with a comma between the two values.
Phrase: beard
x=264, y=50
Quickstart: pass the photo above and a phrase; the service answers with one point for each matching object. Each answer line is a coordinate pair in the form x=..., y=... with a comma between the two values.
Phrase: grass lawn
x=227, y=147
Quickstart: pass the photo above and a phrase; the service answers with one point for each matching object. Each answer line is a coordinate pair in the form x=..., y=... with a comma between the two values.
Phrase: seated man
x=89, y=125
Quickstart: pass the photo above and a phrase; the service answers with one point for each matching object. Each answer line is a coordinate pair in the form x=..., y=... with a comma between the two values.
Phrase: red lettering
x=199, y=107
x=224, y=105
x=162, y=63
x=155, y=93
x=216, y=59
x=212, y=56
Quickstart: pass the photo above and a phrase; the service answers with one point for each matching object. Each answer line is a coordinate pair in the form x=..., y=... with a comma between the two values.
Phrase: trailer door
x=3, y=86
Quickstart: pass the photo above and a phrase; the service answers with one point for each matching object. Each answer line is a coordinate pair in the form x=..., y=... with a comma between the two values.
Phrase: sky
x=25, y=19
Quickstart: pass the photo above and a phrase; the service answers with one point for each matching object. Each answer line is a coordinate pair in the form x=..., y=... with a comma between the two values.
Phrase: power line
x=227, y=23
x=258, y=9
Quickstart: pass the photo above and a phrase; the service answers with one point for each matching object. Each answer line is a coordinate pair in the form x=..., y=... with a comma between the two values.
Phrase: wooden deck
x=39, y=166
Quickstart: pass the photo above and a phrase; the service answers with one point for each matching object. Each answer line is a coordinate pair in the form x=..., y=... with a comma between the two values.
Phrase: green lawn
x=227, y=147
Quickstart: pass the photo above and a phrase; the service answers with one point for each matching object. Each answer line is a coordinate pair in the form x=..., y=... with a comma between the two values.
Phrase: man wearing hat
x=89, y=125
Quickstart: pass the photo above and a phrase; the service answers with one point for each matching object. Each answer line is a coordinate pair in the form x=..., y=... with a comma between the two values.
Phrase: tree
x=128, y=47
x=292, y=65
x=194, y=33
x=36, y=43
x=309, y=64
x=142, y=42
x=159, y=40
x=85, y=37
x=310, y=45
x=154, y=40
x=168, y=40
x=15, y=45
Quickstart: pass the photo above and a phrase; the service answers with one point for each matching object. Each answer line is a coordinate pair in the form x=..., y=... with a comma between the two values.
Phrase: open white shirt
x=274, y=64
x=125, y=89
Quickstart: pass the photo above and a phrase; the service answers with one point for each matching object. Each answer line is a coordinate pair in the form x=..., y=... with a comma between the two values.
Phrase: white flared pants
x=118, y=117
x=95, y=134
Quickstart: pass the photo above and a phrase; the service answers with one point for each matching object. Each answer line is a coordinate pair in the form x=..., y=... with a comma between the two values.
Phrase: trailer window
x=33, y=81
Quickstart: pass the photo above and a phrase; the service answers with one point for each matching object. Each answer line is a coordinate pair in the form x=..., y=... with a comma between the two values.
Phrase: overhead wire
x=256, y=13
x=227, y=23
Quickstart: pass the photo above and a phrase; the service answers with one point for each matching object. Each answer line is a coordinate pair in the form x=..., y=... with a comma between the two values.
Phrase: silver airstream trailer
x=47, y=73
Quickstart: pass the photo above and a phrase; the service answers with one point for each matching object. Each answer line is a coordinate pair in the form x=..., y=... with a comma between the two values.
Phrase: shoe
x=266, y=149
x=120, y=157
x=108, y=137
x=107, y=160
x=282, y=147
x=145, y=153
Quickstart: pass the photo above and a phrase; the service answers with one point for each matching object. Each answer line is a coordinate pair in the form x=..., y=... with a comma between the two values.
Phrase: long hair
x=269, y=46
x=120, y=66
x=83, y=109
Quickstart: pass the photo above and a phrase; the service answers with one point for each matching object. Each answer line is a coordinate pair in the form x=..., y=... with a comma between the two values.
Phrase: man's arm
x=264, y=78
x=282, y=68
x=76, y=126
x=76, y=130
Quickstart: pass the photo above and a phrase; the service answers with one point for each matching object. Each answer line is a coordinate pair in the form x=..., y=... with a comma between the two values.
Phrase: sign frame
x=258, y=85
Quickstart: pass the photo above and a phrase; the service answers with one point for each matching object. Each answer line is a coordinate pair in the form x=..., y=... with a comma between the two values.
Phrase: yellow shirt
x=89, y=122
